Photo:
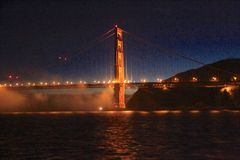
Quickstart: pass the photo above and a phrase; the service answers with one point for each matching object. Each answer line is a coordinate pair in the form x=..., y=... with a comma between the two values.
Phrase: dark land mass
x=190, y=97
x=185, y=98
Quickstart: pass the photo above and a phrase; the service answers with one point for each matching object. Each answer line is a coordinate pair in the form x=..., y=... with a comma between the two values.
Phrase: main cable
x=175, y=53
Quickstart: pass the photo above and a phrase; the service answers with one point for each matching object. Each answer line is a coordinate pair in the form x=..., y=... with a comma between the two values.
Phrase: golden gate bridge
x=121, y=79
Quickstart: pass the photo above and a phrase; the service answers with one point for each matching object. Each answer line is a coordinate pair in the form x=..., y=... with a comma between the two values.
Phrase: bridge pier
x=119, y=86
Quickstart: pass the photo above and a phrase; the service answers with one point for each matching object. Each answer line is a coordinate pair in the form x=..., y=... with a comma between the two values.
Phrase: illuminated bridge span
x=121, y=70
x=127, y=85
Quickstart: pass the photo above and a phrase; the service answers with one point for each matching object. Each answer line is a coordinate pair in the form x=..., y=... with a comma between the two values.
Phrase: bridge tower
x=119, y=86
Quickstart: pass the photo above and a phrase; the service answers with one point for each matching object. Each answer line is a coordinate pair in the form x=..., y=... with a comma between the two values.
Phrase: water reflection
x=118, y=140
x=194, y=111
x=121, y=135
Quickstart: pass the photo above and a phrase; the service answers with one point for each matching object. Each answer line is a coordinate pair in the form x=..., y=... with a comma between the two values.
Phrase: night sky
x=34, y=34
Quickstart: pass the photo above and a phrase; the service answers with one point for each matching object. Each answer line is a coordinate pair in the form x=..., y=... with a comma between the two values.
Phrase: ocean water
x=126, y=135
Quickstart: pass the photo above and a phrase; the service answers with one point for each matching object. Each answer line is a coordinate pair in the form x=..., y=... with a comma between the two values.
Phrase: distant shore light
x=194, y=79
x=234, y=78
x=214, y=79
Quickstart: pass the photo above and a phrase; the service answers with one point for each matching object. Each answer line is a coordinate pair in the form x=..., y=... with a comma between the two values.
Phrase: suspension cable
x=97, y=40
x=173, y=52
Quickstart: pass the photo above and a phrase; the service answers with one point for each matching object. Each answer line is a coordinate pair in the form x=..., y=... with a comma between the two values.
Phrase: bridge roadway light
x=143, y=80
x=176, y=79
x=159, y=80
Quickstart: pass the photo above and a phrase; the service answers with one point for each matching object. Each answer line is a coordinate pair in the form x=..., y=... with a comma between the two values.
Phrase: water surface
x=120, y=135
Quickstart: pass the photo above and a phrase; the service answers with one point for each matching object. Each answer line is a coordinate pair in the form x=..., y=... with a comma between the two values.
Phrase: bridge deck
x=130, y=85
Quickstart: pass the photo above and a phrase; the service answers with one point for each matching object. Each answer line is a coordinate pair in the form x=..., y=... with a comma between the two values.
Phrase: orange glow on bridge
x=119, y=86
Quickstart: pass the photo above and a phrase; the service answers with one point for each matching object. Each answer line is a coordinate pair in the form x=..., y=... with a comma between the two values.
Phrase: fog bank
x=11, y=100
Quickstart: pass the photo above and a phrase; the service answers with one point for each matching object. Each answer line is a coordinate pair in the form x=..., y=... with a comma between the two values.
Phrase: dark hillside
x=224, y=70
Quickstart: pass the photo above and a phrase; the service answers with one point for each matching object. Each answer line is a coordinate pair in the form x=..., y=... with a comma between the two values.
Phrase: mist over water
x=10, y=99
x=59, y=100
